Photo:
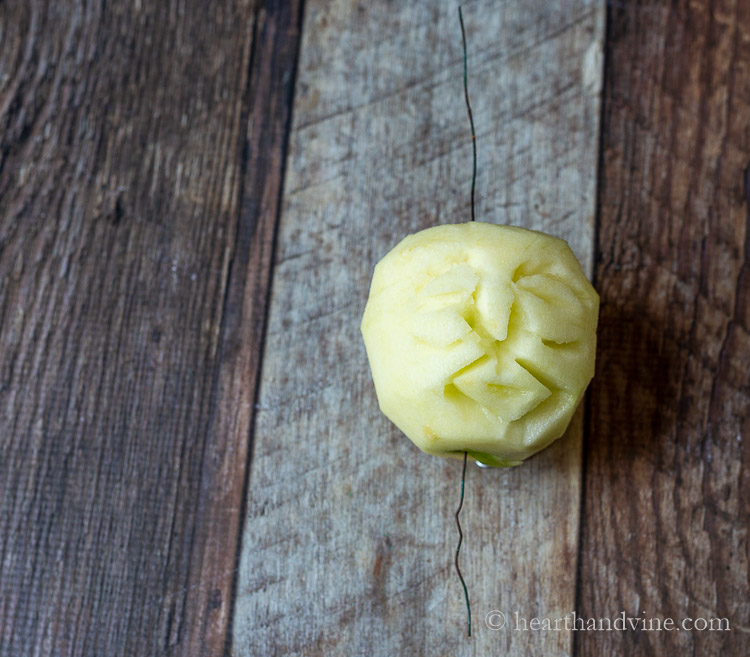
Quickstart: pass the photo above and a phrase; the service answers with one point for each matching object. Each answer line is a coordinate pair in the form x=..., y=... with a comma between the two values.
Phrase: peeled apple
x=481, y=339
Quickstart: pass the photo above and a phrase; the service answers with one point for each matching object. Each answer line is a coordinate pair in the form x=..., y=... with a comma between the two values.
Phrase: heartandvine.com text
x=572, y=622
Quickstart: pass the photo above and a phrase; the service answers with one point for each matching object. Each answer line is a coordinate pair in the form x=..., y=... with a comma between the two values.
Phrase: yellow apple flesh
x=480, y=338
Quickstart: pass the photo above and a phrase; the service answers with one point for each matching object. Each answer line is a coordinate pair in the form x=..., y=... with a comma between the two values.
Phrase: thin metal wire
x=471, y=116
x=466, y=454
x=458, y=548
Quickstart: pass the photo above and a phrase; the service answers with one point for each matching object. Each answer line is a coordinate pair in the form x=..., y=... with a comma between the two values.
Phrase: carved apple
x=480, y=338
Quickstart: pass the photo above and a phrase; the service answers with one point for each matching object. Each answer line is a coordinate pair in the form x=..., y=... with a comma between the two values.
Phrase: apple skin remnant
x=480, y=338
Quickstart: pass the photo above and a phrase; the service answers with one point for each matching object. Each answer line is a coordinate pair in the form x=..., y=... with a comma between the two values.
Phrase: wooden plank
x=266, y=120
x=667, y=490
x=140, y=172
x=349, y=538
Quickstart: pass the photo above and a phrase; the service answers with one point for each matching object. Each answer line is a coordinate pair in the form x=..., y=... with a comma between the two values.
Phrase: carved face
x=480, y=338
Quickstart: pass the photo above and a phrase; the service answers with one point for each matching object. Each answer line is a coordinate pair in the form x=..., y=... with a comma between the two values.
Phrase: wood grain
x=349, y=536
x=141, y=155
x=667, y=492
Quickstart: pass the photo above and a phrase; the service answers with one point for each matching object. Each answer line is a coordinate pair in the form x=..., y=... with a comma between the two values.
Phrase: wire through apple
x=466, y=454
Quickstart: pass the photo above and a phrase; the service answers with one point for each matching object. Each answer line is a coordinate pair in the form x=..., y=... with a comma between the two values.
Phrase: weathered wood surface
x=142, y=150
x=667, y=492
x=349, y=535
x=141, y=153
